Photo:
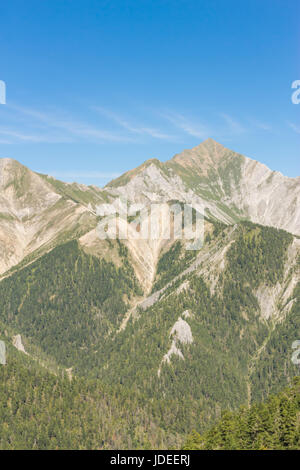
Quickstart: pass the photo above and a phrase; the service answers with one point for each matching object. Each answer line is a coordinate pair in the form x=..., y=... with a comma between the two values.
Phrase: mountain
x=229, y=185
x=185, y=333
x=38, y=212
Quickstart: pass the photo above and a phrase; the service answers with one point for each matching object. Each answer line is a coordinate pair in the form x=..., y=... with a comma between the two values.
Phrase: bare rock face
x=267, y=197
x=2, y=353
x=22, y=191
x=23, y=198
x=276, y=301
x=230, y=185
x=180, y=333
x=17, y=343
x=33, y=214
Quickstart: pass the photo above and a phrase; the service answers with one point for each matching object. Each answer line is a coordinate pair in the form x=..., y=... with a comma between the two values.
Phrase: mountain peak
x=208, y=143
x=11, y=170
x=10, y=163
x=205, y=155
x=126, y=177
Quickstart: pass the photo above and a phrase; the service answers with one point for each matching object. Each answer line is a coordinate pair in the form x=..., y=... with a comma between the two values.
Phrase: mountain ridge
x=38, y=211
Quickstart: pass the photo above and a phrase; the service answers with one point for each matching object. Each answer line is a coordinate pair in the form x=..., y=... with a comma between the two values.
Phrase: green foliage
x=274, y=424
x=70, y=305
x=275, y=360
x=172, y=263
x=67, y=301
x=39, y=410
x=227, y=330
x=258, y=255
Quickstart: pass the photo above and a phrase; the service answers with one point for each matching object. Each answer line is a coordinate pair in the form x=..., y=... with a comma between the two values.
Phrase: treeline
x=274, y=424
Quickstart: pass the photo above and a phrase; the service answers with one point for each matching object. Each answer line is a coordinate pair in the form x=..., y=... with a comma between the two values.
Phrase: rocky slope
x=38, y=212
x=229, y=185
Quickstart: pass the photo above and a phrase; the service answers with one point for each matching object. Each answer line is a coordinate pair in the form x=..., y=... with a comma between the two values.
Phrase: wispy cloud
x=134, y=129
x=59, y=128
x=233, y=126
x=27, y=125
x=294, y=127
x=194, y=129
x=16, y=135
x=260, y=125
x=204, y=130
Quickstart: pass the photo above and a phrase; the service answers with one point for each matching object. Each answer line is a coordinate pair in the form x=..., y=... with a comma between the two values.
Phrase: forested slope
x=40, y=410
x=274, y=424
x=66, y=302
x=219, y=306
x=208, y=342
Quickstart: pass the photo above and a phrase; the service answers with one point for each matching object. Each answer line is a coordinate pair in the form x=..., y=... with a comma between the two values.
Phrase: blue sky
x=96, y=87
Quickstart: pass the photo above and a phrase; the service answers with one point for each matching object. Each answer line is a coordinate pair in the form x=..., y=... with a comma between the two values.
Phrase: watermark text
x=296, y=94
x=121, y=220
x=2, y=92
x=2, y=353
